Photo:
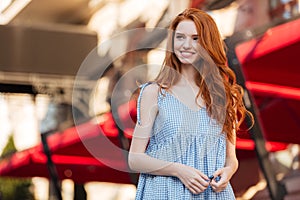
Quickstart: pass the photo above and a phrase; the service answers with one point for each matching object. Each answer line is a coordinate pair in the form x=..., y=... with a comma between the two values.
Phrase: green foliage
x=14, y=188
x=9, y=148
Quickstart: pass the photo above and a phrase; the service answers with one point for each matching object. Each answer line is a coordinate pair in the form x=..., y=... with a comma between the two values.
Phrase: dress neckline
x=183, y=104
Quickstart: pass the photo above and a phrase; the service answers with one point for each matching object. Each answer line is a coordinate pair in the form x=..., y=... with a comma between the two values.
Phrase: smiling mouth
x=186, y=53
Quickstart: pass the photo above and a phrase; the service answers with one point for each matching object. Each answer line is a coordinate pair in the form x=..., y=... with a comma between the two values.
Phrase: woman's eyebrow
x=193, y=35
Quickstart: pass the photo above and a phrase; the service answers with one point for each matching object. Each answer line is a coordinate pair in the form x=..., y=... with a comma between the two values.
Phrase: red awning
x=80, y=169
x=82, y=153
x=272, y=71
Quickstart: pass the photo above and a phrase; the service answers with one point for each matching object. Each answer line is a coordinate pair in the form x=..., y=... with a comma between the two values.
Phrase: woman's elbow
x=235, y=164
x=132, y=161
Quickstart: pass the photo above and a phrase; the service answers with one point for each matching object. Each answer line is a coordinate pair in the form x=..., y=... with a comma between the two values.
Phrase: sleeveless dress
x=186, y=136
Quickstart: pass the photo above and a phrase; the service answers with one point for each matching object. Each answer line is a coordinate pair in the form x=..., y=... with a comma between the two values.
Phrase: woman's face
x=186, y=42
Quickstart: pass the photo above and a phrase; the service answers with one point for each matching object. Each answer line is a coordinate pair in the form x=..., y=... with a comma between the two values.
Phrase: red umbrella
x=271, y=67
x=88, y=152
x=32, y=163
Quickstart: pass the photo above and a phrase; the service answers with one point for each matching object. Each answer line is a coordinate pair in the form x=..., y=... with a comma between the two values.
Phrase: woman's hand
x=192, y=178
x=221, y=180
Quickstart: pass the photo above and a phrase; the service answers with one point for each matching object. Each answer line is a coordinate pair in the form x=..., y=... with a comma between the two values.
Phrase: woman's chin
x=187, y=61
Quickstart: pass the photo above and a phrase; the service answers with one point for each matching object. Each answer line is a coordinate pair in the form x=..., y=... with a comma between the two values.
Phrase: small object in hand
x=211, y=177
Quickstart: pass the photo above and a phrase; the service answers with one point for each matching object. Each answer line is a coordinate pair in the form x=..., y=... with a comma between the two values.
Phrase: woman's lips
x=187, y=54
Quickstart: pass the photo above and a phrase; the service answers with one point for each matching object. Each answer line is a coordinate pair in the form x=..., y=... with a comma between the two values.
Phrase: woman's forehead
x=186, y=27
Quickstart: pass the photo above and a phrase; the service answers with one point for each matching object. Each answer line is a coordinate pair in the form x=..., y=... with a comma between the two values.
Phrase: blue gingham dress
x=183, y=135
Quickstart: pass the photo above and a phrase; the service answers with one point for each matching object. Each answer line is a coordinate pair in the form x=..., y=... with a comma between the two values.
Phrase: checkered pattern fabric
x=182, y=135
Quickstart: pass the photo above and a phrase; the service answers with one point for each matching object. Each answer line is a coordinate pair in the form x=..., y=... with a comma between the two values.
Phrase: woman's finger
x=218, y=172
x=198, y=184
x=218, y=186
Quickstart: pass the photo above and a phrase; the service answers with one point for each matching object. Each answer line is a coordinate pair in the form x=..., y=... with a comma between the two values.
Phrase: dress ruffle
x=179, y=146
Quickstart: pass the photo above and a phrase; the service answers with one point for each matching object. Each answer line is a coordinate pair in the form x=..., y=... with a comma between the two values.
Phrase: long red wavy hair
x=217, y=82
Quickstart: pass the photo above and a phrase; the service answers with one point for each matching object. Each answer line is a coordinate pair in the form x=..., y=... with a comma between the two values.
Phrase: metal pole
x=51, y=166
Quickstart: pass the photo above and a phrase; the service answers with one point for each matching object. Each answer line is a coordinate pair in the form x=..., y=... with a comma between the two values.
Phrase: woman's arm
x=139, y=161
x=231, y=165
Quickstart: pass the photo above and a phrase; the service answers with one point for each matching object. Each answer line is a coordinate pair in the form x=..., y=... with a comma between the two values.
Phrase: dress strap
x=142, y=87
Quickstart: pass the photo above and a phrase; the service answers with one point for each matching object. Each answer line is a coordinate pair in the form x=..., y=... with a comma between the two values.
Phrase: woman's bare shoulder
x=151, y=88
x=150, y=93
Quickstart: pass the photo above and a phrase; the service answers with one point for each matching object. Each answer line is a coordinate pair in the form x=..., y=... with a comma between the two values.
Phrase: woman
x=184, y=141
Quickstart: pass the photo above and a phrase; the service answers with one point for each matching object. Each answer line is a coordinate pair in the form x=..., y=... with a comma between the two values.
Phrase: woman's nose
x=187, y=43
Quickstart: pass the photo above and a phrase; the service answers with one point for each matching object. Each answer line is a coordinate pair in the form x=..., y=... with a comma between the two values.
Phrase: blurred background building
x=44, y=46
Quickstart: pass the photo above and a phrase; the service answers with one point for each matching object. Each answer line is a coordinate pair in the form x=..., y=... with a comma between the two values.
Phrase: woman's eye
x=179, y=37
x=195, y=38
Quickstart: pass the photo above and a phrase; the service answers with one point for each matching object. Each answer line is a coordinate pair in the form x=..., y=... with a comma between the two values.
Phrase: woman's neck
x=188, y=74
